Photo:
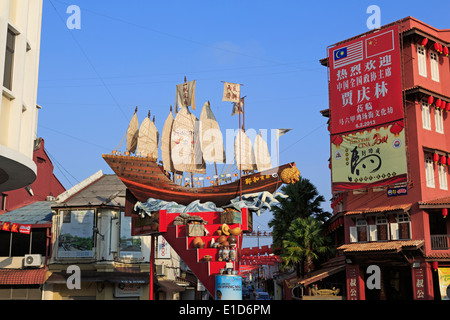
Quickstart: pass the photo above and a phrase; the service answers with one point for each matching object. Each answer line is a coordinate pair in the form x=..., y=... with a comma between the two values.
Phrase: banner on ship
x=369, y=159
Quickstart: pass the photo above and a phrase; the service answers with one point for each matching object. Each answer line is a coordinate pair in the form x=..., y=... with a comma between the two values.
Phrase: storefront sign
x=353, y=282
x=419, y=283
x=228, y=287
x=444, y=283
x=369, y=159
x=397, y=191
x=15, y=227
x=163, y=248
x=365, y=82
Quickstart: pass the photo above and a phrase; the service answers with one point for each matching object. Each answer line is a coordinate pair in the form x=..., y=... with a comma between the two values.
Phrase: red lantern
x=444, y=212
x=438, y=103
x=424, y=42
x=443, y=160
x=430, y=100
x=445, y=51
x=436, y=46
x=447, y=107
x=448, y=161
x=436, y=158
x=435, y=265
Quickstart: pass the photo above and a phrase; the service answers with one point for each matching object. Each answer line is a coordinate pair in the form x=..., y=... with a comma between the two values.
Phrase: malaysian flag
x=348, y=54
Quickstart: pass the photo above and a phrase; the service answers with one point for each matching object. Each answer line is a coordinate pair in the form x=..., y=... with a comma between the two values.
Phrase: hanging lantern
x=438, y=103
x=430, y=100
x=444, y=212
x=435, y=265
x=436, y=158
x=337, y=140
x=447, y=106
x=396, y=128
x=443, y=160
x=436, y=46
x=424, y=42
x=446, y=51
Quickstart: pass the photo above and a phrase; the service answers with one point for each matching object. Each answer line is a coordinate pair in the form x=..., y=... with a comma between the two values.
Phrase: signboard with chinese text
x=365, y=82
x=419, y=283
x=369, y=159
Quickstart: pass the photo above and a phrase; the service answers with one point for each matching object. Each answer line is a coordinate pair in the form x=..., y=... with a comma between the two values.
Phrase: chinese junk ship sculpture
x=183, y=151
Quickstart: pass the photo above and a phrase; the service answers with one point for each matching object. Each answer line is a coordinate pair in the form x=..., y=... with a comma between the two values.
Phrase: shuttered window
x=434, y=66
x=422, y=61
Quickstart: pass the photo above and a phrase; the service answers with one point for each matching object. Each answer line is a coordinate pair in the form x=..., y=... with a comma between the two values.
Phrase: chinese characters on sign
x=419, y=283
x=352, y=283
x=365, y=82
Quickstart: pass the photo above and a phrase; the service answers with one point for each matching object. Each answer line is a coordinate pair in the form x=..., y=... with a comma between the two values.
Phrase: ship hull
x=146, y=179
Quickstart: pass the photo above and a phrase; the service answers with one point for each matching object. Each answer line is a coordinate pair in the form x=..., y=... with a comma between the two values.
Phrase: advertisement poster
x=444, y=283
x=76, y=236
x=228, y=287
x=130, y=246
x=369, y=159
x=365, y=82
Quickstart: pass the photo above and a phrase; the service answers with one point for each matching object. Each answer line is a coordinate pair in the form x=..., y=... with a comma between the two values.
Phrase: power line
x=90, y=62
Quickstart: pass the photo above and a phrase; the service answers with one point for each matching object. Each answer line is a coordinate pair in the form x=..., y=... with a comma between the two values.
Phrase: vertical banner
x=444, y=283
x=353, y=282
x=163, y=248
x=365, y=82
x=419, y=283
x=185, y=95
x=368, y=159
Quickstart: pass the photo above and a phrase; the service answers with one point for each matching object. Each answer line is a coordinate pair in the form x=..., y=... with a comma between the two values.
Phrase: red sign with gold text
x=365, y=82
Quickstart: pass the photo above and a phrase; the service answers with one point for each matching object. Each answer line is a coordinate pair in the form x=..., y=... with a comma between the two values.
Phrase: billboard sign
x=369, y=159
x=365, y=82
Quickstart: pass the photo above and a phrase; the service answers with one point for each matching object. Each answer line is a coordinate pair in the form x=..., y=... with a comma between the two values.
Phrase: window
x=442, y=177
x=9, y=59
x=438, y=118
x=422, y=61
x=361, y=229
x=382, y=227
x=403, y=226
x=426, y=118
x=429, y=172
x=434, y=63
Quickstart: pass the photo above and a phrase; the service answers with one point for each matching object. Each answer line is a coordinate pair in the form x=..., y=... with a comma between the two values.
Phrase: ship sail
x=148, y=138
x=262, y=155
x=132, y=133
x=243, y=152
x=211, y=136
x=185, y=143
x=165, y=143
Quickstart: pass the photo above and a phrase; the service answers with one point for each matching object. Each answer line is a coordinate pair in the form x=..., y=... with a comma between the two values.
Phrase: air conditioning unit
x=160, y=270
x=32, y=260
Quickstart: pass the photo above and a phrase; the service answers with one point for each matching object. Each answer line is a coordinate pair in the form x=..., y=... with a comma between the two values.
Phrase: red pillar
x=152, y=263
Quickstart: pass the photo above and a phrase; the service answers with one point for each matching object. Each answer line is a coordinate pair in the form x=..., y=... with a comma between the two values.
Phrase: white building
x=20, y=33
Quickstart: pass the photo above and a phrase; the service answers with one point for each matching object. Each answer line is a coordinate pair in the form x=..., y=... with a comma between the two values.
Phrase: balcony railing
x=440, y=241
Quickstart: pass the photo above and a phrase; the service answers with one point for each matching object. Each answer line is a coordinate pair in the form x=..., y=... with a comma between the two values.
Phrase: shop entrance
x=396, y=284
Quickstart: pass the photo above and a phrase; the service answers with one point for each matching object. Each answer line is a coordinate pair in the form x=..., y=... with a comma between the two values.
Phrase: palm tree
x=303, y=200
x=304, y=243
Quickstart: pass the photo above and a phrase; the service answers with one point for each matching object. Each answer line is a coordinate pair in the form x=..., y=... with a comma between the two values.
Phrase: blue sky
x=134, y=53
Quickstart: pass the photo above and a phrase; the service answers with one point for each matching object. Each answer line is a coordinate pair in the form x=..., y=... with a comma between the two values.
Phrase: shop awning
x=22, y=276
x=398, y=207
x=94, y=276
x=321, y=274
x=435, y=203
x=381, y=246
x=170, y=286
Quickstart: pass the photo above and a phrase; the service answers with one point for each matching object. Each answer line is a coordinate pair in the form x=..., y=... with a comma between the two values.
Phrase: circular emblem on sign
x=397, y=143
x=338, y=155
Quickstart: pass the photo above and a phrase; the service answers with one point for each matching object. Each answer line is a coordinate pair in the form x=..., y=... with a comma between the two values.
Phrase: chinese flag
x=381, y=43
